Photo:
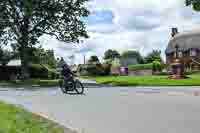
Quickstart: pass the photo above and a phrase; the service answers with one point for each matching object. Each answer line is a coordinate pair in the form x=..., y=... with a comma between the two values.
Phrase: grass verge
x=31, y=82
x=16, y=120
x=192, y=80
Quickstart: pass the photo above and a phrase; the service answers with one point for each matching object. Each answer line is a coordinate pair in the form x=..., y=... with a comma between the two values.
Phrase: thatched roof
x=185, y=41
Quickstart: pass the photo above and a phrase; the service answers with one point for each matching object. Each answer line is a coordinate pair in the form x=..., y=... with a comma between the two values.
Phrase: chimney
x=174, y=32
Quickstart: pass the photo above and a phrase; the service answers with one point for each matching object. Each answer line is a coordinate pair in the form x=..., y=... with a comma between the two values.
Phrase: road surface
x=116, y=109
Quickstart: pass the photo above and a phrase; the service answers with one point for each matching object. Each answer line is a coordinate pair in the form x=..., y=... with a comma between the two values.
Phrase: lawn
x=193, y=80
x=16, y=120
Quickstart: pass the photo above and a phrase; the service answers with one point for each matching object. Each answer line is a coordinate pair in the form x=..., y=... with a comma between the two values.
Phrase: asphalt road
x=117, y=109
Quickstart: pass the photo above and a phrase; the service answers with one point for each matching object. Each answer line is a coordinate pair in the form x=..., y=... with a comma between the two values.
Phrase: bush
x=43, y=72
x=38, y=71
x=157, y=66
x=141, y=66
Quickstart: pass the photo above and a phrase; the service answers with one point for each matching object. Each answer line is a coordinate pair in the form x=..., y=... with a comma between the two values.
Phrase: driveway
x=117, y=109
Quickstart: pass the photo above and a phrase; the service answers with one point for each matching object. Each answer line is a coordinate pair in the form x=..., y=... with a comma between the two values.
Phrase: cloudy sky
x=123, y=25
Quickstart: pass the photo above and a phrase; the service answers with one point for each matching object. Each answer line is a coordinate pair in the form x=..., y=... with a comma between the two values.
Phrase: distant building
x=125, y=62
x=10, y=70
x=188, y=45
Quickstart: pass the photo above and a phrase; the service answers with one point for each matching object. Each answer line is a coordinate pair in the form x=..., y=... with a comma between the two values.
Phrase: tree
x=194, y=3
x=42, y=56
x=111, y=54
x=93, y=59
x=155, y=55
x=133, y=54
x=22, y=22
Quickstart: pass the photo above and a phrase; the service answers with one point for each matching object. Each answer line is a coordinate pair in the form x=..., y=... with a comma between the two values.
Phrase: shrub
x=141, y=66
x=156, y=66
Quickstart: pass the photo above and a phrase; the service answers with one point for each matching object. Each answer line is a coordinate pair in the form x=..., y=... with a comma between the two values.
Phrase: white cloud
x=137, y=24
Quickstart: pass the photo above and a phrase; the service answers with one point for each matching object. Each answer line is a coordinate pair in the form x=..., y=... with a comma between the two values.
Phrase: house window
x=193, y=52
x=180, y=54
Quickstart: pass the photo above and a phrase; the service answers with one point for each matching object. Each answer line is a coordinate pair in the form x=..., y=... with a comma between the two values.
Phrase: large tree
x=194, y=3
x=22, y=22
x=111, y=54
x=133, y=54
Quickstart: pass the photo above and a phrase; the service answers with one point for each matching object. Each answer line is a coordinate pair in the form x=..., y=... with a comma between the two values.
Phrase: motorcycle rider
x=66, y=72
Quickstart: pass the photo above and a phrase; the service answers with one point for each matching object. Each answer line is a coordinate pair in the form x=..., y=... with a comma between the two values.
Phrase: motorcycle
x=71, y=84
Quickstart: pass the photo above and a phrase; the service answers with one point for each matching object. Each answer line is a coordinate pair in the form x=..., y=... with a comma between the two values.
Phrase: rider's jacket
x=66, y=72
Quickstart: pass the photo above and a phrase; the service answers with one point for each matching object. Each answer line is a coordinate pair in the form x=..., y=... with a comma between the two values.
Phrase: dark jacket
x=66, y=72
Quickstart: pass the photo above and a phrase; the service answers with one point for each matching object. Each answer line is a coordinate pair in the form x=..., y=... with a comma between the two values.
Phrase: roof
x=185, y=41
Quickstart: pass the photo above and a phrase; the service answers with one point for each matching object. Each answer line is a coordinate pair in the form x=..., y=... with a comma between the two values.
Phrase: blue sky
x=140, y=25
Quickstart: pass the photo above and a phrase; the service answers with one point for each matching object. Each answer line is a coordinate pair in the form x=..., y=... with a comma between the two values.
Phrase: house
x=186, y=47
x=10, y=70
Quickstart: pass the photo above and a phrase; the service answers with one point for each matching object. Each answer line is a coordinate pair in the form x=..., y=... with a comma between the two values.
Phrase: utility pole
x=84, y=59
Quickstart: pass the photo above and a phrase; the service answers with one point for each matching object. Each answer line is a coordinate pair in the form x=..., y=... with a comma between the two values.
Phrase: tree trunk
x=24, y=63
x=24, y=43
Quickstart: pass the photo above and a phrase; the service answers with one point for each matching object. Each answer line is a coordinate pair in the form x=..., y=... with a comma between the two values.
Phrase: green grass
x=40, y=82
x=16, y=120
x=193, y=80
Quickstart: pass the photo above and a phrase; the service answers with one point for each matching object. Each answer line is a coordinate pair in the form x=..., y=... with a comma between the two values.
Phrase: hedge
x=91, y=70
x=141, y=66
x=43, y=72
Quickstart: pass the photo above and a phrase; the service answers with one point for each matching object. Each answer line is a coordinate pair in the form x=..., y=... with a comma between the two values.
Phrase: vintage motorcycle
x=71, y=84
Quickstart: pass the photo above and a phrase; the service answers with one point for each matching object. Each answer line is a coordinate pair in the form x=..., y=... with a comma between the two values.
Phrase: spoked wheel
x=79, y=87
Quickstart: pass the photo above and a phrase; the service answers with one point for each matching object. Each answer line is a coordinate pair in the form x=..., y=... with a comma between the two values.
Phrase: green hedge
x=141, y=66
x=38, y=71
x=91, y=70
x=43, y=72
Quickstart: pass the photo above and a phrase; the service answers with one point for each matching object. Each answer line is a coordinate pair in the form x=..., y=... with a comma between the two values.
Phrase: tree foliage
x=194, y=3
x=155, y=55
x=157, y=66
x=133, y=54
x=93, y=59
x=111, y=54
x=42, y=56
x=22, y=22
